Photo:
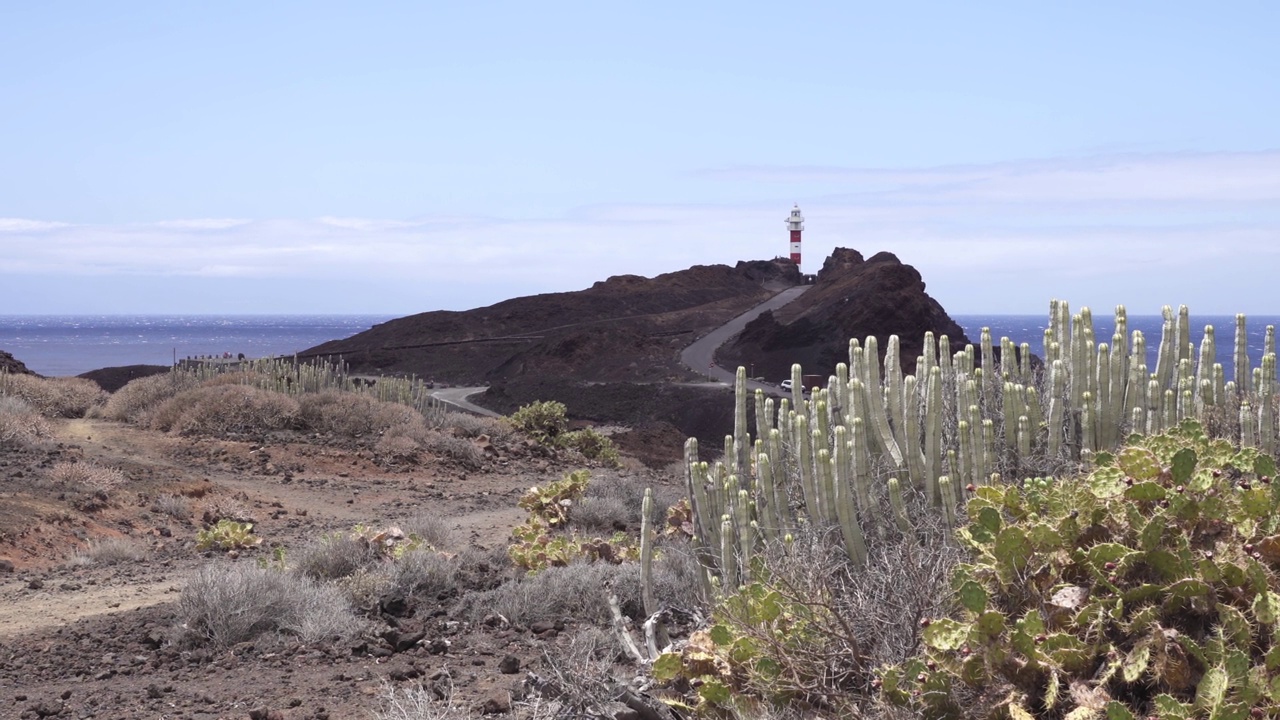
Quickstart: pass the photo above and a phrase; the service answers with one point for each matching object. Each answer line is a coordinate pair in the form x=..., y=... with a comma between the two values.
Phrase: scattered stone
x=498, y=703
x=6, y=566
x=35, y=584
x=510, y=665
x=154, y=692
x=402, y=641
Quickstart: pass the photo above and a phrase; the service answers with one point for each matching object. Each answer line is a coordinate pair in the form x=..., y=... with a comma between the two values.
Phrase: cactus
x=1243, y=375
x=1115, y=615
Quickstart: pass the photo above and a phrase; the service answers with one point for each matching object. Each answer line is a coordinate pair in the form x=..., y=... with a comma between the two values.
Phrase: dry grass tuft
x=20, y=425
x=175, y=506
x=225, y=604
x=578, y=591
x=433, y=529
x=111, y=552
x=87, y=476
x=334, y=557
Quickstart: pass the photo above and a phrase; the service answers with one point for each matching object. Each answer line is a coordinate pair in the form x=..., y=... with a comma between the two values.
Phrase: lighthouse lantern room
x=795, y=223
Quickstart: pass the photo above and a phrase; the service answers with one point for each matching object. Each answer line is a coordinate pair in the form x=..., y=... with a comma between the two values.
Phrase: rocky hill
x=9, y=363
x=626, y=328
x=852, y=298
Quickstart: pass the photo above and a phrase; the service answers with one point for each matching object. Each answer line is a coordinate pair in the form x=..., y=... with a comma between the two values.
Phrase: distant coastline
x=61, y=345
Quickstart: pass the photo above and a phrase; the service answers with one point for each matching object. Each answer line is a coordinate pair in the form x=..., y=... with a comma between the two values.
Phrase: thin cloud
x=22, y=225
x=202, y=224
x=1219, y=177
x=1142, y=230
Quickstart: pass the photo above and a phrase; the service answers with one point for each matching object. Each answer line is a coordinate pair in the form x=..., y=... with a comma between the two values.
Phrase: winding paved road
x=700, y=356
x=457, y=397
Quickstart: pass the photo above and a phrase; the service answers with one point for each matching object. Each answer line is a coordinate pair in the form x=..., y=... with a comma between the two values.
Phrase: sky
x=379, y=157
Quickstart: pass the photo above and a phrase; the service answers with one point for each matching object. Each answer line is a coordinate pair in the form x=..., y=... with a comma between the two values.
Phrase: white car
x=785, y=384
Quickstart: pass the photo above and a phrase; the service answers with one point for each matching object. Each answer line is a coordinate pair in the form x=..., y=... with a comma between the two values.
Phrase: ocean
x=61, y=345
x=1030, y=329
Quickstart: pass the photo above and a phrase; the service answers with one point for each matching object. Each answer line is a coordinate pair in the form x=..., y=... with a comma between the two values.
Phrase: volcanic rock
x=852, y=298
x=9, y=363
x=624, y=328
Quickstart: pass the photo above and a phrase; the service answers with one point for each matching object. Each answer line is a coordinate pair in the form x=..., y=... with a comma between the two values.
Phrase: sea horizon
x=59, y=345
x=65, y=344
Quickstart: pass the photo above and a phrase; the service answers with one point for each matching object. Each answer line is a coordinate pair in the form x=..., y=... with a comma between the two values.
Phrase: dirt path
x=59, y=603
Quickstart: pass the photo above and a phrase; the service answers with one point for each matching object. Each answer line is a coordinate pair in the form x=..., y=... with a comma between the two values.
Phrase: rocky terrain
x=90, y=623
x=9, y=363
x=611, y=352
x=626, y=328
x=92, y=583
x=852, y=298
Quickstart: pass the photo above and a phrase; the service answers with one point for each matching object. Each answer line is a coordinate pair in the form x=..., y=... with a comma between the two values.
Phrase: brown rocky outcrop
x=626, y=328
x=852, y=298
x=9, y=363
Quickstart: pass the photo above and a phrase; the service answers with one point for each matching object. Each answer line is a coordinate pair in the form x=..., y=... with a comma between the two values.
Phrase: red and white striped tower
x=795, y=223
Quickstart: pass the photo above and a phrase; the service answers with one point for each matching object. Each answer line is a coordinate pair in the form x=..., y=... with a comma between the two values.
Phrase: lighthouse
x=795, y=224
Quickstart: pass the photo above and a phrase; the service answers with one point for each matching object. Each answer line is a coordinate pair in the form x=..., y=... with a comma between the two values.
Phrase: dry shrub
x=460, y=450
x=863, y=616
x=579, y=591
x=433, y=529
x=397, y=449
x=110, y=552
x=175, y=506
x=86, y=475
x=225, y=604
x=334, y=557
x=54, y=397
x=440, y=444
x=352, y=414
x=613, y=502
x=225, y=409
x=134, y=402
x=423, y=573
x=676, y=576
x=473, y=426
x=20, y=425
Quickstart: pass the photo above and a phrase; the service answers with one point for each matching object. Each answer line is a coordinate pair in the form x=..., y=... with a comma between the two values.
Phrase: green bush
x=544, y=421
x=593, y=446
x=1147, y=588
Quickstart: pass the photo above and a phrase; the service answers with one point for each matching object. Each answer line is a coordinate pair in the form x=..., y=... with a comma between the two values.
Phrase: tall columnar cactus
x=797, y=386
x=1183, y=337
x=876, y=412
x=1204, y=368
x=741, y=436
x=933, y=450
x=947, y=420
x=1167, y=355
x=1243, y=375
x=1267, y=404
x=1057, y=402
x=646, y=554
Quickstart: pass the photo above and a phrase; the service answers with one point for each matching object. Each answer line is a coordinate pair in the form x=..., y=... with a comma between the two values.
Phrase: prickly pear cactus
x=1148, y=588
